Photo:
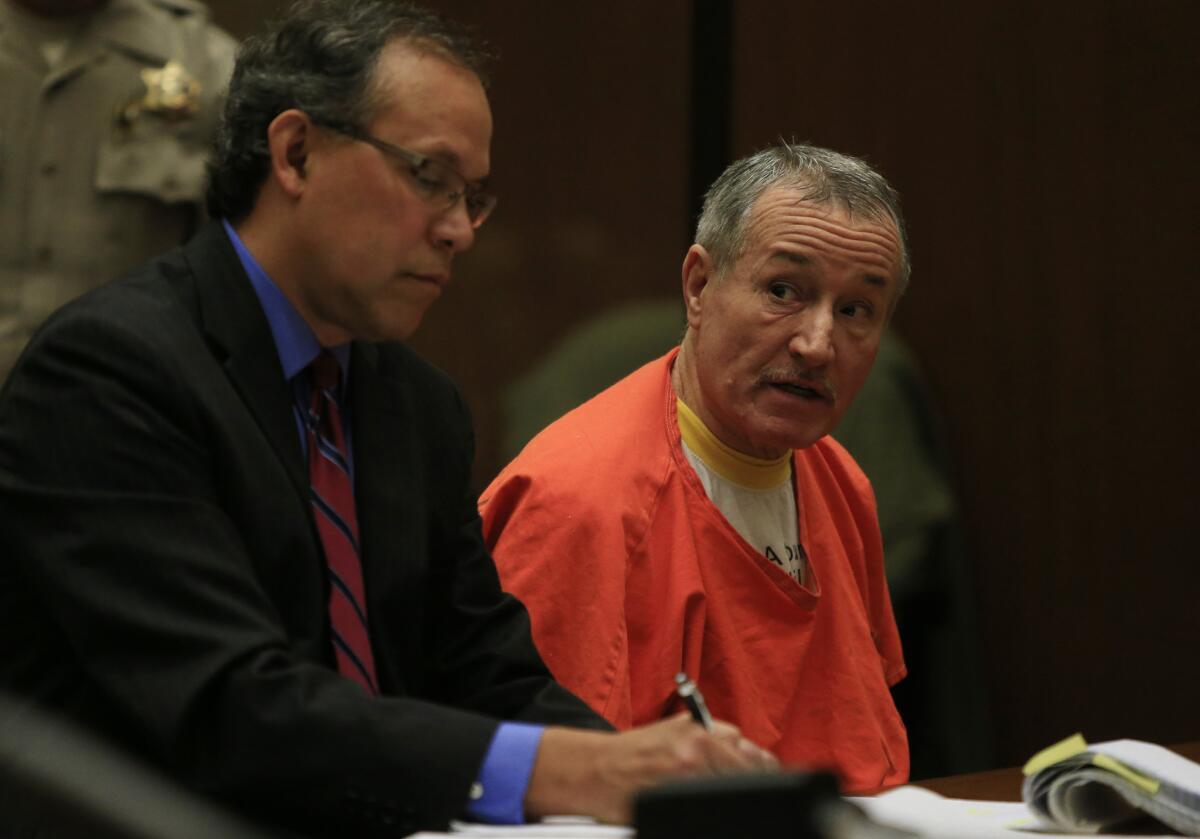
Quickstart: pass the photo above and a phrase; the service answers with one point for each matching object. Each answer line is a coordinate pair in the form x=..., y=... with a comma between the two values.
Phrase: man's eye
x=430, y=178
x=429, y=182
x=858, y=310
x=782, y=291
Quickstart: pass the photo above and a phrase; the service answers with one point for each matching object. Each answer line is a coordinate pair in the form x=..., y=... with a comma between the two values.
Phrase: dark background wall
x=1046, y=153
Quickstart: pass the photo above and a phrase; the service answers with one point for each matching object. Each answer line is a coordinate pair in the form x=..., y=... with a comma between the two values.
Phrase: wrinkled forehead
x=784, y=219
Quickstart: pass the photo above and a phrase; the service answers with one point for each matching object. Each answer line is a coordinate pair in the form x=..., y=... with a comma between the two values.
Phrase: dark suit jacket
x=161, y=578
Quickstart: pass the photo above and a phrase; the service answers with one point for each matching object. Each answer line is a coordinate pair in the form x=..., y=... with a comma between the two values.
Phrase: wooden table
x=1005, y=784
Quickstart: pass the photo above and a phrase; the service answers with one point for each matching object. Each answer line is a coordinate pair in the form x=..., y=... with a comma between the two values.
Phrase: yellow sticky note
x=1134, y=777
x=1051, y=755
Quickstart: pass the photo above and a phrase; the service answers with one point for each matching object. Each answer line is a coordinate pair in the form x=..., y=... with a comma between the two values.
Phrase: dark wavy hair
x=319, y=58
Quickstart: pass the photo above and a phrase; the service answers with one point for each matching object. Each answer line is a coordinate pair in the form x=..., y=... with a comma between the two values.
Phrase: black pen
x=691, y=696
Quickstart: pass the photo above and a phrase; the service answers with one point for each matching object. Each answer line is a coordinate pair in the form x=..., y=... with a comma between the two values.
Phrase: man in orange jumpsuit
x=696, y=516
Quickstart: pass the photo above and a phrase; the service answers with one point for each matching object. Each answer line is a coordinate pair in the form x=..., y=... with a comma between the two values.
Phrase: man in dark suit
x=238, y=536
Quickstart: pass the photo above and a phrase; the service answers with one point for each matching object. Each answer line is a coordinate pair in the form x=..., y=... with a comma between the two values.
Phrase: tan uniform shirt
x=105, y=125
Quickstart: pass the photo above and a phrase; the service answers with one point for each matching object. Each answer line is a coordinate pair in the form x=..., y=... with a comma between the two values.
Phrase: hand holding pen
x=686, y=689
x=693, y=699
x=597, y=773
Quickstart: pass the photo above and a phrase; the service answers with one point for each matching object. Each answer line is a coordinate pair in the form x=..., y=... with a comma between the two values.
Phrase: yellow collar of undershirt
x=741, y=469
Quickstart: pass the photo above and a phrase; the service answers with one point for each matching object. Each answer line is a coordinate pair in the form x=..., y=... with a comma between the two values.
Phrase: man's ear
x=698, y=271
x=289, y=139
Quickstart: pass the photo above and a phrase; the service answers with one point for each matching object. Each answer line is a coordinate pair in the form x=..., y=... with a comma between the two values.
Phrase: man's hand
x=593, y=774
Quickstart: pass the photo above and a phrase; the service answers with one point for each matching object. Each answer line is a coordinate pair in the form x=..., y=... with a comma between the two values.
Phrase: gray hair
x=820, y=175
x=319, y=58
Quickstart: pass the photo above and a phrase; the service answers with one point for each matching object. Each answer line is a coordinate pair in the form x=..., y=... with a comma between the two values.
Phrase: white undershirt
x=755, y=496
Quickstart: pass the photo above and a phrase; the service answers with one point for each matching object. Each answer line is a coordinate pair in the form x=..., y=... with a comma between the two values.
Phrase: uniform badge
x=172, y=93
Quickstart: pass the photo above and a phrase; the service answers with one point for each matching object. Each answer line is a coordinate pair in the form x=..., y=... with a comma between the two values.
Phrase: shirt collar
x=732, y=465
x=294, y=339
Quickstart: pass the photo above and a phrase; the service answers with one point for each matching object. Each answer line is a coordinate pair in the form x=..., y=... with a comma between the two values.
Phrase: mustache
x=811, y=379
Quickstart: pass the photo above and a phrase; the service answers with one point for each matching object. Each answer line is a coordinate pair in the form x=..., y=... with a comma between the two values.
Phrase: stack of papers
x=1088, y=789
x=927, y=814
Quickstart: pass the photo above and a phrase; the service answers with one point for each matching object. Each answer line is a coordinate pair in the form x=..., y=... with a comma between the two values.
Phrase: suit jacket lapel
x=233, y=319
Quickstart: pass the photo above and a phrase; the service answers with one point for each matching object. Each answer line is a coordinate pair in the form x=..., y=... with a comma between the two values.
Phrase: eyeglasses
x=437, y=182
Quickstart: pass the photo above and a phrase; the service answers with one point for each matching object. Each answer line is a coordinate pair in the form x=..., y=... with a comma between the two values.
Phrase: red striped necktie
x=333, y=508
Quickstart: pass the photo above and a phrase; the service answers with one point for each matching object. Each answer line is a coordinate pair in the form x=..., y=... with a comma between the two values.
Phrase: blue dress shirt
x=498, y=795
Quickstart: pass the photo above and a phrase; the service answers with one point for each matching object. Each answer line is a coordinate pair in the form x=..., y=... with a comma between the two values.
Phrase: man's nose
x=812, y=339
x=452, y=229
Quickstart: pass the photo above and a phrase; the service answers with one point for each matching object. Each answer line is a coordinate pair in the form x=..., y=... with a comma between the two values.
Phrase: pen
x=686, y=689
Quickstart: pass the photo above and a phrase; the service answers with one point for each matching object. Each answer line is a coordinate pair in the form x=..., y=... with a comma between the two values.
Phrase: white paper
x=910, y=808
x=928, y=814
x=1154, y=761
x=561, y=827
